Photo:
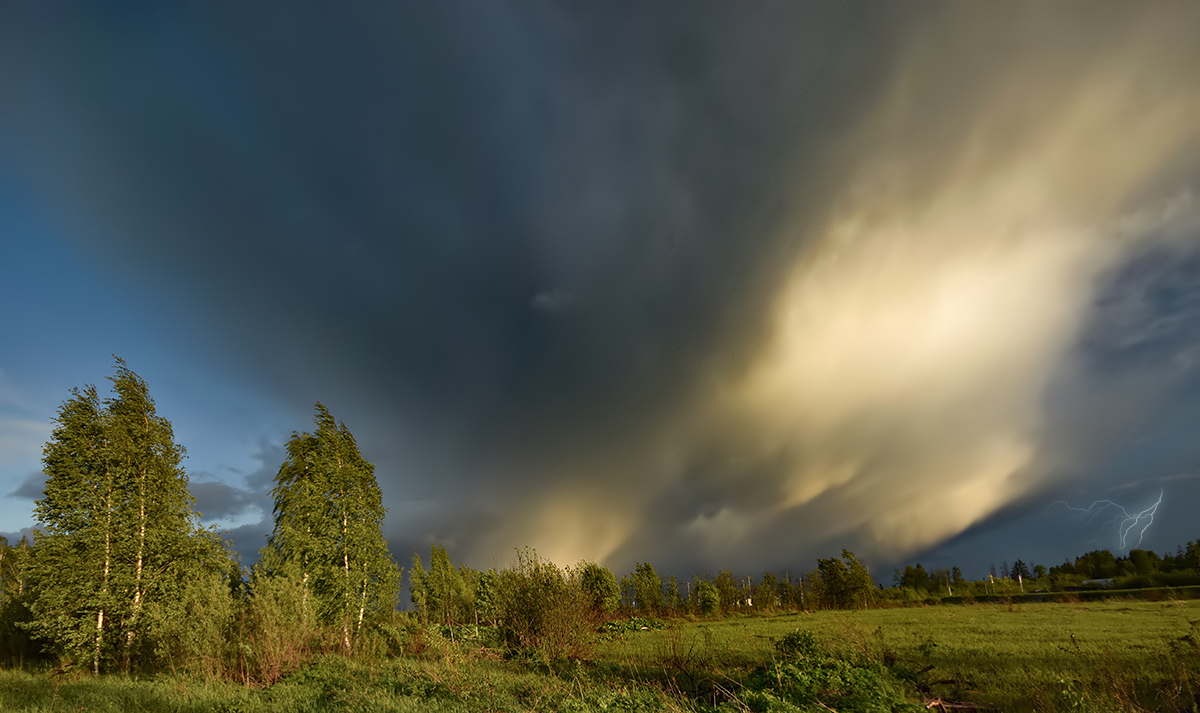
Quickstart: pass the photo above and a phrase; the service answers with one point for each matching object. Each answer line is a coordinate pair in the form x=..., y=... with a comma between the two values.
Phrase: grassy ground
x=1107, y=656
x=1025, y=657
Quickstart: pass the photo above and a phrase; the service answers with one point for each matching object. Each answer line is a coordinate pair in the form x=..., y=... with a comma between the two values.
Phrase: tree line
x=121, y=577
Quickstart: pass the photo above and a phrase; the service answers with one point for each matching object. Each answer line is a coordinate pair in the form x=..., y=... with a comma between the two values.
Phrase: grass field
x=1105, y=656
x=1024, y=657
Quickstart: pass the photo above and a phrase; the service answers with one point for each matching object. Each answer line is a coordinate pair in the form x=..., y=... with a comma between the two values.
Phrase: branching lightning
x=1125, y=523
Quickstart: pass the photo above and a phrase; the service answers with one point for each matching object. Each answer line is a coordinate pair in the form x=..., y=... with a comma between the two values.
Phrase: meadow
x=1101, y=656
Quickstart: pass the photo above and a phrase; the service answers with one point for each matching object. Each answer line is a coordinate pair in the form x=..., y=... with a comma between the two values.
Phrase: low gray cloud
x=30, y=488
x=243, y=512
x=216, y=501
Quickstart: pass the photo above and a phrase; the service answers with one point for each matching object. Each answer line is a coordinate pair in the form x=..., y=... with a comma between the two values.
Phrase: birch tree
x=117, y=524
x=328, y=529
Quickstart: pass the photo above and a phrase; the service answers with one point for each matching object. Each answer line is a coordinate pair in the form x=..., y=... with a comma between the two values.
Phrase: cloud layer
x=711, y=286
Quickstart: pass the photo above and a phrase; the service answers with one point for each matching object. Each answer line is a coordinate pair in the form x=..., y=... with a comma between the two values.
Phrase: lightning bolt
x=1125, y=523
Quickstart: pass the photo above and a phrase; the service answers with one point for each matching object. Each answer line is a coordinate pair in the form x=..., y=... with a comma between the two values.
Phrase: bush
x=280, y=632
x=805, y=675
x=544, y=611
x=708, y=598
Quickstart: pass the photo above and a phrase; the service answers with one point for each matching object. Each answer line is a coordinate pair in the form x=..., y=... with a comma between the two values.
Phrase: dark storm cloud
x=534, y=255
x=215, y=500
x=31, y=487
x=222, y=503
x=15, y=537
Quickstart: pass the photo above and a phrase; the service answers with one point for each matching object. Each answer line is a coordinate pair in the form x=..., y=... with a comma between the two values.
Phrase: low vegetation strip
x=1047, y=657
x=1150, y=594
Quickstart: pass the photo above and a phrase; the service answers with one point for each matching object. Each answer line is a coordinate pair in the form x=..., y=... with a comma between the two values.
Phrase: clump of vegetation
x=630, y=625
x=805, y=677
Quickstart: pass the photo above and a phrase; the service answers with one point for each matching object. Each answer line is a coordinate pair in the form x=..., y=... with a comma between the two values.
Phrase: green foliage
x=190, y=626
x=674, y=597
x=449, y=597
x=544, y=612
x=600, y=587
x=1020, y=571
x=728, y=590
x=118, y=532
x=328, y=529
x=630, y=625
x=279, y=629
x=15, y=596
x=487, y=606
x=798, y=645
x=648, y=588
x=845, y=583
x=708, y=598
x=805, y=675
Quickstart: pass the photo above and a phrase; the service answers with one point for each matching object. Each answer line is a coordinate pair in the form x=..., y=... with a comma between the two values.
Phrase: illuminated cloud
x=899, y=395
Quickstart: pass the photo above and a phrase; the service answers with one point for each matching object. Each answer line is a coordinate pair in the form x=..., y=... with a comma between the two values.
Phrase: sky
x=710, y=285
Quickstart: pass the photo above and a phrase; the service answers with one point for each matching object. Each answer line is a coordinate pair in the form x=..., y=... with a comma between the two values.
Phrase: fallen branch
x=949, y=705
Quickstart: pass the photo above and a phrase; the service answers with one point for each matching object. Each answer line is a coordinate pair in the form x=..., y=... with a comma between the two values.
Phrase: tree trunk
x=362, y=600
x=345, y=590
x=104, y=580
x=141, y=553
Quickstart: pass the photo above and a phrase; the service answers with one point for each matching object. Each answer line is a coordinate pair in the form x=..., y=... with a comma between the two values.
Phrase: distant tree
x=674, y=598
x=708, y=597
x=600, y=587
x=916, y=578
x=1039, y=571
x=784, y=593
x=446, y=593
x=846, y=582
x=629, y=598
x=487, y=606
x=416, y=587
x=956, y=576
x=328, y=528
x=727, y=589
x=1019, y=571
x=648, y=588
x=1144, y=561
x=861, y=587
x=1097, y=564
x=446, y=590
x=939, y=582
x=766, y=594
x=1067, y=568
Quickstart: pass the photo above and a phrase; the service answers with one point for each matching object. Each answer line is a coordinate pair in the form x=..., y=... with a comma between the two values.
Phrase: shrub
x=708, y=598
x=805, y=675
x=544, y=612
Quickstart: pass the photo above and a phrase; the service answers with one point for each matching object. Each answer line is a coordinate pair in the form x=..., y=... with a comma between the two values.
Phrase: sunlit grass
x=1020, y=657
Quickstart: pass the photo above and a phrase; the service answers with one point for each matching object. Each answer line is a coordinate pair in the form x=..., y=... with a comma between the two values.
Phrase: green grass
x=337, y=685
x=1023, y=657
x=1104, y=656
